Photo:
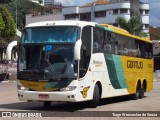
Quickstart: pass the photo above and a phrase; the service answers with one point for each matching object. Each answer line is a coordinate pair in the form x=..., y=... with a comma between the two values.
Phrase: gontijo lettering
x=134, y=64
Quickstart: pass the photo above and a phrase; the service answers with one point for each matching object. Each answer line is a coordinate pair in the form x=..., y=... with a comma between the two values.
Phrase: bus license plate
x=43, y=96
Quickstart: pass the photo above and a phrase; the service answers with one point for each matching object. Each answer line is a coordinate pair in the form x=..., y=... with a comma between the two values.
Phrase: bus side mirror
x=77, y=50
x=9, y=49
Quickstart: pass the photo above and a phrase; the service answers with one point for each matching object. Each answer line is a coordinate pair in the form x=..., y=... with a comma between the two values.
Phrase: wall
x=32, y=19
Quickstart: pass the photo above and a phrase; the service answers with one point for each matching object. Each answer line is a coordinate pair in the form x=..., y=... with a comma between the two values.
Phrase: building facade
x=103, y=11
x=41, y=2
x=155, y=37
x=107, y=11
x=44, y=2
x=51, y=17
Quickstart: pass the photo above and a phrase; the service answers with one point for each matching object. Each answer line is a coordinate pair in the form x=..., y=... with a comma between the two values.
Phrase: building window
x=141, y=12
x=123, y=10
x=115, y=11
x=85, y=17
x=146, y=26
x=146, y=12
x=71, y=16
x=100, y=14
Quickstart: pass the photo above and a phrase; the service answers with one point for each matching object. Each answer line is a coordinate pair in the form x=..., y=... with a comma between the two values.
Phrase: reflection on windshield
x=60, y=62
x=53, y=61
x=50, y=34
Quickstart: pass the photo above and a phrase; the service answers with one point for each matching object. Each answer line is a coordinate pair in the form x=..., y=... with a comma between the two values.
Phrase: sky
x=154, y=8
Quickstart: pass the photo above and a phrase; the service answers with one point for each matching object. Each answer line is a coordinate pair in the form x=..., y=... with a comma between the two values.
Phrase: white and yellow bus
x=76, y=61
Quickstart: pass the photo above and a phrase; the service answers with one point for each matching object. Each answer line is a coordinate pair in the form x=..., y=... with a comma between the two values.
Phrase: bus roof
x=61, y=23
x=123, y=32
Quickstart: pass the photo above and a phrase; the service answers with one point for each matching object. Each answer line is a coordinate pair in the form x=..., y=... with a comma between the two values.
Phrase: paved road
x=151, y=102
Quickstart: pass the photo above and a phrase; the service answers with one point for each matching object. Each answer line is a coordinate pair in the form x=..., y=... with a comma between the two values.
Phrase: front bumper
x=63, y=96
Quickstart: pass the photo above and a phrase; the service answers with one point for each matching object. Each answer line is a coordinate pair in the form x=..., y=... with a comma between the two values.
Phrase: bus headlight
x=20, y=87
x=69, y=88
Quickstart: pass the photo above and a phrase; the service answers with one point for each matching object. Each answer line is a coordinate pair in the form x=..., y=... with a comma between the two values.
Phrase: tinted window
x=112, y=43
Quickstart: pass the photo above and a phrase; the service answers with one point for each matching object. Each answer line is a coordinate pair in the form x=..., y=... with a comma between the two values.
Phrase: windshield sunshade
x=50, y=34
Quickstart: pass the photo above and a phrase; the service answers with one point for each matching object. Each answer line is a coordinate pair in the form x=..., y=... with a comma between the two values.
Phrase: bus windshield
x=53, y=61
x=47, y=53
x=51, y=34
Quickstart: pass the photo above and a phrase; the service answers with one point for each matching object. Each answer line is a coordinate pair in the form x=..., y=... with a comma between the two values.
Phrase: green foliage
x=25, y=7
x=10, y=27
x=2, y=24
x=133, y=25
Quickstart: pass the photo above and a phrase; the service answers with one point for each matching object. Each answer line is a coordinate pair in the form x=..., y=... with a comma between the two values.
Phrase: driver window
x=85, y=50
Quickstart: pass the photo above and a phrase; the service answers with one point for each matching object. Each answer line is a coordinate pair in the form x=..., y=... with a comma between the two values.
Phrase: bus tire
x=47, y=104
x=142, y=92
x=138, y=92
x=96, y=97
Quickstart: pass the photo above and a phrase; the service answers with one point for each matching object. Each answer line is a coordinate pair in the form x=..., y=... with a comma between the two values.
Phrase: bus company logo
x=43, y=88
x=134, y=64
x=98, y=63
x=84, y=92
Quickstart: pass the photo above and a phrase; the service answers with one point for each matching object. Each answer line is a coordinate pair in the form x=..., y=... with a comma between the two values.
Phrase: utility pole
x=16, y=12
x=92, y=13
x=135, y=9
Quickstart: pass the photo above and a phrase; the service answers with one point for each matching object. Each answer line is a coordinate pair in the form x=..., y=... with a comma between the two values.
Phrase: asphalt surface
x=115, y=107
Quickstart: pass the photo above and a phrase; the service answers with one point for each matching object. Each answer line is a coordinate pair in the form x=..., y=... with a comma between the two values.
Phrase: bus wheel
x=47, y=104
x=142, y=92
x=138, y=92
x=96, y=97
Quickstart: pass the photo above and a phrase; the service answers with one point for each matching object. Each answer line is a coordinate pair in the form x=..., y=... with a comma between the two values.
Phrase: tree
x=24, y=7
x=19, y=8
x=133, y=25
x=2, y=24
x=10, y=27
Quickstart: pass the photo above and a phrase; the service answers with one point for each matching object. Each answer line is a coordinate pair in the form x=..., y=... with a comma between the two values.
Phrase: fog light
x=69, y=88
x=72, y=96
x=68, y=96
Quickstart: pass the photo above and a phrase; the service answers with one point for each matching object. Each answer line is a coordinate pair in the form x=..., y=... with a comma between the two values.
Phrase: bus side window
x=146, y=55
x=98, y=40
x=96, y=37
x=116, y=50
x=107, y=48
x=148, y=49
x=95, y=46
x=150, y=55
x=85, y=50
